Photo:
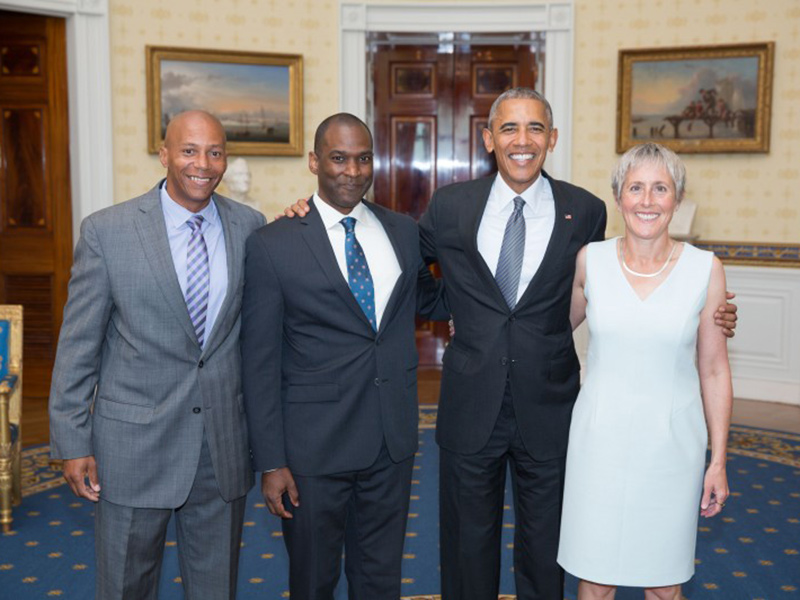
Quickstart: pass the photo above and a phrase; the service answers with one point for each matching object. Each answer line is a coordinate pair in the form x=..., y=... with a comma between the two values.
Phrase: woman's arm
x=577, y=308
x=715, y=383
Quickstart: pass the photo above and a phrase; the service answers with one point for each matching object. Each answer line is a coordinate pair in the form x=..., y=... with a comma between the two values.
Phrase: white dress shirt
x=176, y=218
x=381, y=259
x=540, y=217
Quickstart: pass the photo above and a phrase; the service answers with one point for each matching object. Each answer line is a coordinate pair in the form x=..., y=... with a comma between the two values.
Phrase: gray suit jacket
x=128, y=349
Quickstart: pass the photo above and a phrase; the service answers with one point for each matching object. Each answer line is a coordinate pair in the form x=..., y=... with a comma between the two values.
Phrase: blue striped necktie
x=509, y=265
x=197, y=278
x=358, y=276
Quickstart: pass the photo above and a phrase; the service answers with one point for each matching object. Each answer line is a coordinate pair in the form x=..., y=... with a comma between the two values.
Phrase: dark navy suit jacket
x=530, y=346
x=322, y=389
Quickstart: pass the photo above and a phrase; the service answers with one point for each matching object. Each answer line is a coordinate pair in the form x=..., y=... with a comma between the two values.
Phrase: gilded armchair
x=10, y=410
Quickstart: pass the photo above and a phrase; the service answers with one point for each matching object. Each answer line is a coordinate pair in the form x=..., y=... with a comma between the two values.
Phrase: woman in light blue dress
x=657, y=389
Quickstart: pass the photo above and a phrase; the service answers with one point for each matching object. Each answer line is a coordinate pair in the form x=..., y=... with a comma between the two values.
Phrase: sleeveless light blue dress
x=637, y=443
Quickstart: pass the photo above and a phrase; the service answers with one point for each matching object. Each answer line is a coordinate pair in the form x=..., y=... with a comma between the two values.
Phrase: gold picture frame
x=258, y=97
x=700, y=99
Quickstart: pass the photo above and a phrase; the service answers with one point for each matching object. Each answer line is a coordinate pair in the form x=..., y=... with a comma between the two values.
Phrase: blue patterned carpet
x=752, y=552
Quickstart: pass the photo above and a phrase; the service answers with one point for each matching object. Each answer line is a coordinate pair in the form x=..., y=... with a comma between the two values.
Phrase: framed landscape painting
x=698, y=99
x=258, y=97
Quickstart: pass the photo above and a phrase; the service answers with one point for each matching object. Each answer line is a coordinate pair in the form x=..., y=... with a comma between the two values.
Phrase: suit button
x=377, y=381
x=200, y=364
x=504, y=361
x=196, y=410
x=512, y=318
x=377, y=342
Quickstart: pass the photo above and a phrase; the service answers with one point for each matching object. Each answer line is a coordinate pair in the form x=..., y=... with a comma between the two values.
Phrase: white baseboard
x=768, y=391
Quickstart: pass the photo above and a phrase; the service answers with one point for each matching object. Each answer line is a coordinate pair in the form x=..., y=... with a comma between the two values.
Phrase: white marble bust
x=237, y=180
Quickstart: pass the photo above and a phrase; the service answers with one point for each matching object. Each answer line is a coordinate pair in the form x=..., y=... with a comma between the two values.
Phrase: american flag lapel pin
x=568, y=217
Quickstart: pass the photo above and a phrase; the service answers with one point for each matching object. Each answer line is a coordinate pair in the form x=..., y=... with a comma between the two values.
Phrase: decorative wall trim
x=555, y=17
x=754, y=253
x=764, y=354
x=89, y=89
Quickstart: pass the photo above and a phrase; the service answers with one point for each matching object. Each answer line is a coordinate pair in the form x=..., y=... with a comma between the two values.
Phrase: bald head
x=194, y=156
x=190, y=118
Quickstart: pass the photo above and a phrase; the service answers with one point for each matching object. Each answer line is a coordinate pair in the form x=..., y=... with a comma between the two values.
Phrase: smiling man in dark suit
x=330, y=372
x=506, y=246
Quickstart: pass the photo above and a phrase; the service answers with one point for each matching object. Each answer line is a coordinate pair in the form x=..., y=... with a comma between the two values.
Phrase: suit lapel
x=152, y=232
x=407, y=271
x=234, y=250
x=470, y=213
x=559, y=239
x=315, y=236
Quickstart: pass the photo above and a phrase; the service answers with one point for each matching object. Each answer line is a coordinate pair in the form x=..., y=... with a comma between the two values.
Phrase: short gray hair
x=649, y=153
x=521, y=93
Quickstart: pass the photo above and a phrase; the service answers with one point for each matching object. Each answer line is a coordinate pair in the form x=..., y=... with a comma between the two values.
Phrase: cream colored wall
x=742, y=197
x=747, y=197
x=307, y=27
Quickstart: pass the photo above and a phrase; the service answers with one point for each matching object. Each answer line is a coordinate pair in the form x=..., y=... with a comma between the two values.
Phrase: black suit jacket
x=530, y=346
x=322, y=389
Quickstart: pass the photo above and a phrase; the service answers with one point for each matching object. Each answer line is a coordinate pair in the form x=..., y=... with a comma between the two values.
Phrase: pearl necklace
x=636, y=273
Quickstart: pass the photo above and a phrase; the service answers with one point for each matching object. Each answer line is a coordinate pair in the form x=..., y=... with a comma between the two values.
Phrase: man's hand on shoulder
x=726, y=316
x=298, y=209
x=274, y=484
x=76, y=471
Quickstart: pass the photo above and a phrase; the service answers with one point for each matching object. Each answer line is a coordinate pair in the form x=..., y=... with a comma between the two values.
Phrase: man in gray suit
x=146, y=401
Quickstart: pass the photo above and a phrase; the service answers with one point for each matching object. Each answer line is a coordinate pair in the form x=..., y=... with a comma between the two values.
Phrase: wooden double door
x=431, y=104
x=35, y=211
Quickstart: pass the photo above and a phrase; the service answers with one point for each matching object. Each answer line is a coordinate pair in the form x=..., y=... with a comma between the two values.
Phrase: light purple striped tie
x=197, y=277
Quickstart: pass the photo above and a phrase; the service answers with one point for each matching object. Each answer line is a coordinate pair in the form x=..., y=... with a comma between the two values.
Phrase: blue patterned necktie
x=197, y=278
x=509, y=265
x=358, y=276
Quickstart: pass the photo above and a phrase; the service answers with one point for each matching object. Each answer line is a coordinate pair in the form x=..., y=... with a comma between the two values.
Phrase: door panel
x=411, y=87
x=35, y=211
x=413, y=143
x=481, y=163
x=23, y=147
x=35, y=293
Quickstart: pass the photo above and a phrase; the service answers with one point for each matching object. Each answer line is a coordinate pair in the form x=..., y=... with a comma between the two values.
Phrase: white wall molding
x=765, y=353
x=556, y=18
x=94, y=7
x=89, y=89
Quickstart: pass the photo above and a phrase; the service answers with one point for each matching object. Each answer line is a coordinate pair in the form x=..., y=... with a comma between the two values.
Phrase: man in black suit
x=506, y=247
x=330, y=372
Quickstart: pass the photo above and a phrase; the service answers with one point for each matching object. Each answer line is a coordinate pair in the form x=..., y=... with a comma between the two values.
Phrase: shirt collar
x=176, y=215
x=502, y=196
x=332, y=218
